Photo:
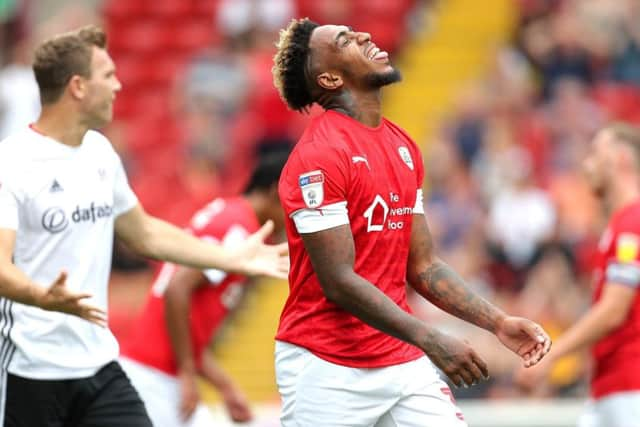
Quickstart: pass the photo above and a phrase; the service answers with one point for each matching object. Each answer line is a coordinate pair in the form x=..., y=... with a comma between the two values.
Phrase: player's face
x=101, y=89
x=599, y=163
x=353, y=55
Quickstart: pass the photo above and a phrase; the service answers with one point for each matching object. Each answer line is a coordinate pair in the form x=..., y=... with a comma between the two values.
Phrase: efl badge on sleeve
x=312, y=187
x=627, y=247
x=405, y=156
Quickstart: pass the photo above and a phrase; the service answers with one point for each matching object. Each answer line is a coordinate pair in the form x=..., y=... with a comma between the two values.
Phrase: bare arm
x=441, y=285
x=236, y=403
x=604, y=317
x=177, y=299
x=158, y=239
x=332, y=255
x=16, y=286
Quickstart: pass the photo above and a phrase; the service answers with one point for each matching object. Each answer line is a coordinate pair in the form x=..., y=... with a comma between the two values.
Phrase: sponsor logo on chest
x=56, y=220
x=390, y=214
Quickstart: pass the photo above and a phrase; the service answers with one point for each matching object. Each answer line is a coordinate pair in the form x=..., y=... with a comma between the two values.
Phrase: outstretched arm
x=434, y=280
x=158, y=239
x=332, y=256
x=16, y=286
x=609, y=313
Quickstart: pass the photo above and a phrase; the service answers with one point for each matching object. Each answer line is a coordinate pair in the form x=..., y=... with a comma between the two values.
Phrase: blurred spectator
x=19, y=98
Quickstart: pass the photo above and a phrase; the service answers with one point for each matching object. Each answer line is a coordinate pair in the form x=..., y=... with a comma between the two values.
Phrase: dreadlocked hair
x=289, y=64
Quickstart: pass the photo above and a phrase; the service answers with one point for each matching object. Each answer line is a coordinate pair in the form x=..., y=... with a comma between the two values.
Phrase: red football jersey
x=343, y=172
x=617, y=355
x=223, y=220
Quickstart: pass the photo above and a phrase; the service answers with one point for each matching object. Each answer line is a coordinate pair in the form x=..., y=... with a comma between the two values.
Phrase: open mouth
x=374, y=53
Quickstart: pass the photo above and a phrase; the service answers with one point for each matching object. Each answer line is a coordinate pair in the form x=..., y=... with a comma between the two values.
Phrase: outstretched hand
x=525, y=338
x=255, y=257
x=58, y=297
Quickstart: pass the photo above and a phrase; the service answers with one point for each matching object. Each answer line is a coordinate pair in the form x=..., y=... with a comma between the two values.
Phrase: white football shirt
x=62, y=202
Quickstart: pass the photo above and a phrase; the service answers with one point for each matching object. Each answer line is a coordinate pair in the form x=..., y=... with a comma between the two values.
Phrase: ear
x=77, y=87
x=329, y=81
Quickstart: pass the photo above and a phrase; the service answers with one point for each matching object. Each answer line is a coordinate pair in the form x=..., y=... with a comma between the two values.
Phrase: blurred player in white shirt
x=63, y=194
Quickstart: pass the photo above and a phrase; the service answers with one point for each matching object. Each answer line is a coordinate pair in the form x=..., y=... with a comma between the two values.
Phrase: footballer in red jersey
x=611, y=327
x=166, y=349
x=348, y=351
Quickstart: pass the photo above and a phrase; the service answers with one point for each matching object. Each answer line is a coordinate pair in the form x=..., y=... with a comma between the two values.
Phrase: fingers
x=282, y=249
x=540, y=345
x=93, y=314
x=469, y=373
x=264, y=231
x=481, y=365
x=61, y=279
x=188, y=407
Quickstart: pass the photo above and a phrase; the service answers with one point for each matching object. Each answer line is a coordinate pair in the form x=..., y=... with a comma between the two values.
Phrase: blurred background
x=502, y=96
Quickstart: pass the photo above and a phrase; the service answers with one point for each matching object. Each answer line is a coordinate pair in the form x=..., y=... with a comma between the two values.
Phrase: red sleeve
x=316, y=175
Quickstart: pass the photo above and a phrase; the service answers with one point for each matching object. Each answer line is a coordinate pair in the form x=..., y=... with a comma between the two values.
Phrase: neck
x=365, y=107
x=626, y=190
x=61, y=124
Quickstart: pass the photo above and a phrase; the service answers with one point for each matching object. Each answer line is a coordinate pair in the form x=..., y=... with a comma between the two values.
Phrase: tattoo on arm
x=441, y=285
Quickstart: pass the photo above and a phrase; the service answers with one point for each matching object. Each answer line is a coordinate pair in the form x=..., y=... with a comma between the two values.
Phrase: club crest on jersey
x=312, y=187
x=405, y=156
x=627, y=247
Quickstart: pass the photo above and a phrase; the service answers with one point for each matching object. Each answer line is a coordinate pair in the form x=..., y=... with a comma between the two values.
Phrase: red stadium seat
x=123, y=10
x=196, y=35
x=168, y=8
x=620, y=101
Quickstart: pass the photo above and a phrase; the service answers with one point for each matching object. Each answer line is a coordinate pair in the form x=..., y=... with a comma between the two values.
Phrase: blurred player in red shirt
x=166, y=350
x=612, y=326
x=348, y=351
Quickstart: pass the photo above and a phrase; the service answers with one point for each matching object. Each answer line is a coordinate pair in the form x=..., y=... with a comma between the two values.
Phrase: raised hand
x=189, y=395
x=58, y=297
x=456, y=359
x=257, y=258
x=525, y=338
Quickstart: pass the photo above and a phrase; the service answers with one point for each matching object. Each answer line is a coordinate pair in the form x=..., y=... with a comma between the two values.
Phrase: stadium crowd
x=506, y=201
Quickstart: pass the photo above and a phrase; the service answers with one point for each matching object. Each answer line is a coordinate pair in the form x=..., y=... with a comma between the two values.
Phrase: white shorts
x=160, y=393
x=317, y=393
x=616, y=410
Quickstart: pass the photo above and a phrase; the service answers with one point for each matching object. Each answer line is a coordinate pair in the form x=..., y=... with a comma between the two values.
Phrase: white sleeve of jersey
x=124, y=199
x=9, y=202
x=324, y=218
x=627, y=273
x=419, y=207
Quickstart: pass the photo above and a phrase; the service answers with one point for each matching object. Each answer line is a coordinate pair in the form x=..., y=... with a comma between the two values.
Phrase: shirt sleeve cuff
x=324, y=218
